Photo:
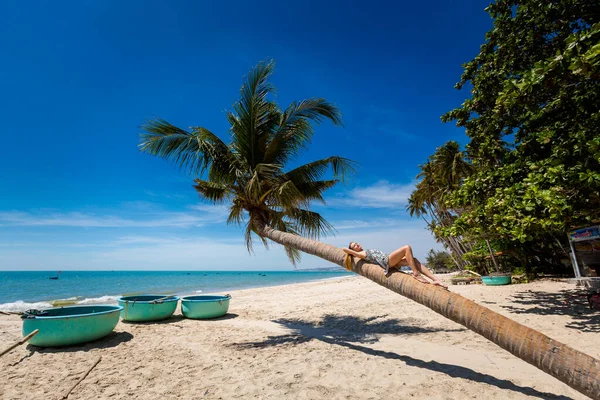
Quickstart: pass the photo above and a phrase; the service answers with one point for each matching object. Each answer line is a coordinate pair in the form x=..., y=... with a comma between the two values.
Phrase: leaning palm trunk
x=576, y=369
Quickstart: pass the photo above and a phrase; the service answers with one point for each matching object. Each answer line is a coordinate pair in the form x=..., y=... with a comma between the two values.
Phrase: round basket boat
x=148, y=307
x=203, y=307
x=496, y=280
x=64, y=326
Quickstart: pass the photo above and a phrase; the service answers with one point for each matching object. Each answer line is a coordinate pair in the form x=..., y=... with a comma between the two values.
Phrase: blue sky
x=78, y=78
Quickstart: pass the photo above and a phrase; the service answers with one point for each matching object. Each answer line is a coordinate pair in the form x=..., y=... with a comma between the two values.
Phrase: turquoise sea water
x=20, y=291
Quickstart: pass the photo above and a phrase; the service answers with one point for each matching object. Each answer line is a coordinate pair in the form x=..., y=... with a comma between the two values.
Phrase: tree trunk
x=458, y=250
x=458, y=264
x=455, y=251
x=576, y=369
x=493, y=256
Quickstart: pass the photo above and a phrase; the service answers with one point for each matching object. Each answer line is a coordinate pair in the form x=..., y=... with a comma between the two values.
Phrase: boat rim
x=112, y=310
x=172, y=298
x=215, y=297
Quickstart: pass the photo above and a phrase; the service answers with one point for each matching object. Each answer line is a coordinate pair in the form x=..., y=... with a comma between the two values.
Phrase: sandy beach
x=344, y=338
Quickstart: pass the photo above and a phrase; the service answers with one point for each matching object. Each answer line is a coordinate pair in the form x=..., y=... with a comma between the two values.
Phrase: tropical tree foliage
x=440, y=261
x=249, y=173
x=443, y=173
x=533, y=123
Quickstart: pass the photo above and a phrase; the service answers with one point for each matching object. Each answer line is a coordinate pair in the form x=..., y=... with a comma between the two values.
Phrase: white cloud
x=127, y=240
x=372, y=223
x=144, y=218
x=213, y=212
x=380, y=195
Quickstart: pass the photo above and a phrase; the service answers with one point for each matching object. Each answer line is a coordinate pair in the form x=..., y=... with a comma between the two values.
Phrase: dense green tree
x=440, y=261
x=533, y=120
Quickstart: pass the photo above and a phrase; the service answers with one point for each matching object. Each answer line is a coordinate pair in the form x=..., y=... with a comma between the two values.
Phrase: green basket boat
x=148, y=307
x=496, y=280
x=205, y=306
x=65, y=326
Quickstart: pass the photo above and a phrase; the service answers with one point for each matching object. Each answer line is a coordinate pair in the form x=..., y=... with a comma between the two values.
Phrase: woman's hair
x=348, y=262
x=348, y=259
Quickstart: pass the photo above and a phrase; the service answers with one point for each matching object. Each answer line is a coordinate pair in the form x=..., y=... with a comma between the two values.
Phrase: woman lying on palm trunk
x=398, y=258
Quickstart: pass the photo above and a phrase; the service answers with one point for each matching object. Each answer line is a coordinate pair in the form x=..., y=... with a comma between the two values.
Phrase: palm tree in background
x=440, y=175
x=250, y=175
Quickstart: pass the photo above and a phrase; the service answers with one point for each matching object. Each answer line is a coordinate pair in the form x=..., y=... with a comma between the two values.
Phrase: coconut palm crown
x=250, y=172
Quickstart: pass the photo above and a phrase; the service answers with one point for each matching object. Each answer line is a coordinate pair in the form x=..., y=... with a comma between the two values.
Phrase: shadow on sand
x=351, y=332
x=112, y=340
x=572, y=303
x=178, y=318
x=172, y=319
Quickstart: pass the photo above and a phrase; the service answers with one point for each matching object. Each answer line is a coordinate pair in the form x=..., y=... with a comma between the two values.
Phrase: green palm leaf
x=191, y=151
x=215, y=192
x=341, y=167
x=295, y=130
x=310, y=224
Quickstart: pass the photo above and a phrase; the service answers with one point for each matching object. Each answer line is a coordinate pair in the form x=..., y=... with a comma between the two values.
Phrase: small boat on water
x=148, y=307
x=65, y=326
x=205, y=306
x=55, y=277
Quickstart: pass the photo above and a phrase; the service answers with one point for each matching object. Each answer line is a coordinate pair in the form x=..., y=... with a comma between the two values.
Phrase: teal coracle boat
x=148, y=307
x=496, y=280
x=205, y=306
x=65, y=326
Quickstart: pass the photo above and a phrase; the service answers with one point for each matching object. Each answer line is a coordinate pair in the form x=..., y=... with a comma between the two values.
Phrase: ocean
x=23, y=290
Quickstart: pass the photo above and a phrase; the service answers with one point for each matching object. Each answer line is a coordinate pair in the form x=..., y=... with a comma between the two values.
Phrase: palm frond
x=212, y=191
x=295, y=129
x=236, y=212
x=248, y=237
x=316, y=109
x=415, y=205
x=278, y=222
x=313, y=191
x=294, y=255
x=287, y=195
x=342, y=167
x=263, y=176
x=191, y=151
x=309, y=223
x=255, y=117
x=223, y=161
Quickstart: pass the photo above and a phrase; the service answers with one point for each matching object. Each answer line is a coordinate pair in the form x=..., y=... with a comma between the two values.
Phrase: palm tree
x=249, y=174
x=441, y=174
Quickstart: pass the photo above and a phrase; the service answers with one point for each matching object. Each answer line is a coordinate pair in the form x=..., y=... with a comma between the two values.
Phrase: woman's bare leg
x=405, y=252
x=423, y=268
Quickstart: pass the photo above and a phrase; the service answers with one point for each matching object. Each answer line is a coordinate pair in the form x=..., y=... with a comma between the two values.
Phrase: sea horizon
x=34, y=289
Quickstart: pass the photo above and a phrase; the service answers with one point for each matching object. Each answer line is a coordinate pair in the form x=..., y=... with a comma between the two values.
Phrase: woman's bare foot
x=420, y=278
x=440, y=283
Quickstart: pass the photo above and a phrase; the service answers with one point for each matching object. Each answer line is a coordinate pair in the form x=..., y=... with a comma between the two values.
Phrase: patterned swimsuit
x=378, y=257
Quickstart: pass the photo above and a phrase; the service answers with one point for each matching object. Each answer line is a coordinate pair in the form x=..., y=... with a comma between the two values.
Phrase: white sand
x=346, y=338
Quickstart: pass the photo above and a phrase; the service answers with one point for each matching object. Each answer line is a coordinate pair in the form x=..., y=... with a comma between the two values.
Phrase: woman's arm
x=360, y=254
